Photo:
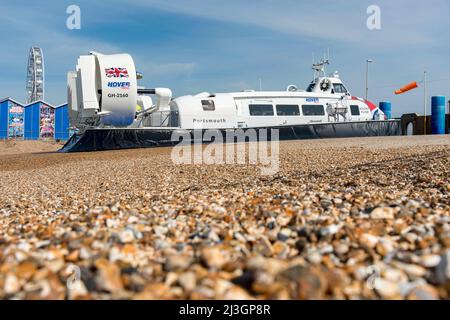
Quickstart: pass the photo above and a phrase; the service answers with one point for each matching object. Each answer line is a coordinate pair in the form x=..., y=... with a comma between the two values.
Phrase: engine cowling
x=103, y=90
x=118, y=89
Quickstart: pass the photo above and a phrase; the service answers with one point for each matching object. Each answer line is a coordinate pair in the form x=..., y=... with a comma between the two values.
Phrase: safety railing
x=161, y=119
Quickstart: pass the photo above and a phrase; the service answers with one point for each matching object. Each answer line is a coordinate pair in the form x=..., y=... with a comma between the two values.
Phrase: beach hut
x=11, y=119
x=39, y=121
x=61, y=122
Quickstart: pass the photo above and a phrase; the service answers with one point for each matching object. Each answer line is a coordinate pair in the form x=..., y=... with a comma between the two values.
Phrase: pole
x=367, y=79
x=425, y=102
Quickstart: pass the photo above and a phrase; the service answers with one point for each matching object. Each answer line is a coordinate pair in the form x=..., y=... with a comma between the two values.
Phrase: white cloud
x=402, y=21
x=172, y=69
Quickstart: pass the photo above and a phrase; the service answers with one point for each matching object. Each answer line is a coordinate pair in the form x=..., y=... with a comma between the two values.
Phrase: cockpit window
x=310, y=87
x=339, y=88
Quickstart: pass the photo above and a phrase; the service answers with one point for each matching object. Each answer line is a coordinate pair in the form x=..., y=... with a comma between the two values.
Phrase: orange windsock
x=406, y=88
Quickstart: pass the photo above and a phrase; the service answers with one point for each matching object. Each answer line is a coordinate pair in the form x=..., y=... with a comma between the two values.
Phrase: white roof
x=11, y=99
x=61, y=105
x=40, y=101
x=29, y=104
x=273, y=94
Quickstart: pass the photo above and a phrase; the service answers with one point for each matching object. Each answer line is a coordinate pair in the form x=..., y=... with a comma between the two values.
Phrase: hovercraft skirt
x=97, y=139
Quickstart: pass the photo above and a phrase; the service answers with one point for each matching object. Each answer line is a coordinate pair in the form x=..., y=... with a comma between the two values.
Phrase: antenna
x=319, y=68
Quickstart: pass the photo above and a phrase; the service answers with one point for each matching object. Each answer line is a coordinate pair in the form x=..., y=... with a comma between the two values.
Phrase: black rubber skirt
x=126, y=138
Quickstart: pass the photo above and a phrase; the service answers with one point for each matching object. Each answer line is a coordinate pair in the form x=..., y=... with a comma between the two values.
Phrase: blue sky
x=211, y=45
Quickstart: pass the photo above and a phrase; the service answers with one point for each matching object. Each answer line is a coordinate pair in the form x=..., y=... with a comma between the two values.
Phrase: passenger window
x=208, y=105
x=261, y=109
x=354, y=109
x=288, y=110
x=313, y=110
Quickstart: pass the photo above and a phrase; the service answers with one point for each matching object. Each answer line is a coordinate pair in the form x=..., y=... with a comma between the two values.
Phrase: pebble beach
x=360, y=218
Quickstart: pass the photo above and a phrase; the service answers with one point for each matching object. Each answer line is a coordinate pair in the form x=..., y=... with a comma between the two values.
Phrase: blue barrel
x=386, y=107
x=438, y=115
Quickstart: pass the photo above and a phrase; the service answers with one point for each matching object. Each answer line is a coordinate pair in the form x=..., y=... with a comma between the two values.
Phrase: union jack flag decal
x=116, y=72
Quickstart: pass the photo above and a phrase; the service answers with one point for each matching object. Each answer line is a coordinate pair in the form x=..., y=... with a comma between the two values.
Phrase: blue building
x=39, y=121
x=11, y=119
x=61, y=122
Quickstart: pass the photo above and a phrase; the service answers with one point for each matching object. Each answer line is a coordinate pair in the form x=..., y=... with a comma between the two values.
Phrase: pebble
x=325, y=203
x=329, y=230
x=77, y=290
x=126, y=236
x=315, y=257
x=284, y=234
x=385, y=246
x=177, y=262
x=442, y=272
x=264, y=247
x=280, y=249
x=236, y=293
x=228, y=232
x=26, y=270
x=423, y=292
x=430, y=260
x=368, y=240
x=413, y=270
x=187, y=280
x=341, y=248
x=283, y=220
x=213, y=257
x=311, y=283
x=382, y=213
x=11, y=285
x=388, y=289
x=108, y=276
x=112, y=223
x=160, y=231
x=395, y=275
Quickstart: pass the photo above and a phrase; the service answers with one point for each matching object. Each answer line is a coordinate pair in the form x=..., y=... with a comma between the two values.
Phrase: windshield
x=339, y=88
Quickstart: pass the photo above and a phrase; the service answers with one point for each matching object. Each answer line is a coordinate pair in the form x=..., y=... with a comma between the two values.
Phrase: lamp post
x=367, y=76
x=425, y=102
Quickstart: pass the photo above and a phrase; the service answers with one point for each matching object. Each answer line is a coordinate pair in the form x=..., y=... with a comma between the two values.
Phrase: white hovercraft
x=106, y=103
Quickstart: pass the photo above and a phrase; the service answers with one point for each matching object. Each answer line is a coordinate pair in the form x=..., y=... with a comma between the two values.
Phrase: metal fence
x=161, y=119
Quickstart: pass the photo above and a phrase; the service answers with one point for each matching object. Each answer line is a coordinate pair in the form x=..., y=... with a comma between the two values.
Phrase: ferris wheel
x=35, y=75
